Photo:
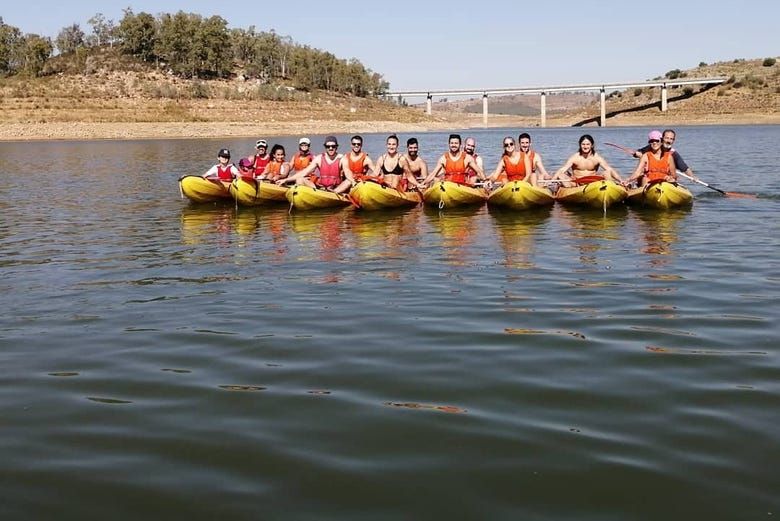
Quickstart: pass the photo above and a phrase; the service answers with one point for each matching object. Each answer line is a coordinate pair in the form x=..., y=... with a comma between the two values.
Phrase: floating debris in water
x=110, y=401
x=64, y=373
x=245, y=388
x=451, y=409
x=180, y=371
x=319, y=392
x=715, y=352
x=523, y=331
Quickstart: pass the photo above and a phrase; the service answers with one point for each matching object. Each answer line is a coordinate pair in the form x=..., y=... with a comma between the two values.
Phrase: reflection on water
x=164, y=361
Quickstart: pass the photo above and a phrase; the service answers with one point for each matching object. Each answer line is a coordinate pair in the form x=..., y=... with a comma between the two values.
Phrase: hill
x=118, y=97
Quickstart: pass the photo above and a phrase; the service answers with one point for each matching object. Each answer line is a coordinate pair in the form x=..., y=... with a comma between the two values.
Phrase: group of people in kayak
x=337, y=172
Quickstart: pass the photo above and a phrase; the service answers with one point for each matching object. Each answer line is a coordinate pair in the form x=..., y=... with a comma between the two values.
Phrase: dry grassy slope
x=752, y=89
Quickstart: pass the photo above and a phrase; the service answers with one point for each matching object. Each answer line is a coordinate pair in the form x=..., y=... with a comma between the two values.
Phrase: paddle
x=695, y=180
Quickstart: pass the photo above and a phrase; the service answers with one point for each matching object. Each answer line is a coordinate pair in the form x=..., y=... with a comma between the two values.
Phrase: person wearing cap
x=668, y=137
x=262, y=157
x=455, y=164
x=246, y=168
x=586, y=162
x=655, y=165
x=356, y=163
x=470, y=147
x=327, y=166
x=302, y=157
x=224, y=170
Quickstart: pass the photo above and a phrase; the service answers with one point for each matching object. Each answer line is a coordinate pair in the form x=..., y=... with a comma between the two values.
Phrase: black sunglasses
x=331, y=146
x=357, y=144
x=509, y=144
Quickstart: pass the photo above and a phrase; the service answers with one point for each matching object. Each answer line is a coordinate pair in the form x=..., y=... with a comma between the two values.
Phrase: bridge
x=664, y=84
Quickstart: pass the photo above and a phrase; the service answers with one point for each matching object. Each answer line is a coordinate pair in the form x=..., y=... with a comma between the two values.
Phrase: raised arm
x=300, y=174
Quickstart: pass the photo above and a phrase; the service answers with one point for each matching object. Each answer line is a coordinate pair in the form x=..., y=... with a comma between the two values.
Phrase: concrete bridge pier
x=603, y=120
x=664, y=98
x=543, y=107
x=484, y=110
x=429, y=104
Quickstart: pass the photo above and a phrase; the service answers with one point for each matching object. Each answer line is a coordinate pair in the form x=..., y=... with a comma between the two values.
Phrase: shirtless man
x=417, y=165
x=455, y=164
x=356, y=163
x=391, y=167
x=470, y=147
x=585, y=162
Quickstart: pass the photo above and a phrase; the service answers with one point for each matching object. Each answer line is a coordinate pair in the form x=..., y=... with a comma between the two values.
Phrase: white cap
x=261, y=143
x=304, y=140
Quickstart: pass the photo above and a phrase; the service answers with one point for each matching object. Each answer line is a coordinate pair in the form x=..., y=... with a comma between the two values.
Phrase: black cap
x=224, y=152
x=331, y=139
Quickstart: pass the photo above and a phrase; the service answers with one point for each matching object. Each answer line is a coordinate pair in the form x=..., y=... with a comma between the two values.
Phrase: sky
x=488, y=44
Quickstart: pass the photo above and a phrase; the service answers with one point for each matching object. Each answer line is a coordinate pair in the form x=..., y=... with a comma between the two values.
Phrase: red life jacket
x=225, y=174
x=329, y=172
x=261, y=163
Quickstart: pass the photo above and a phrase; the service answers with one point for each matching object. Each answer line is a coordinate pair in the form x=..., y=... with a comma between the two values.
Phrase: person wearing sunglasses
x=356, y=163
x=278, y=168
x=668, y=137
x=455, y=164
x=655, y=165
x=519, y=163
x=585, y=163
x=327, y=166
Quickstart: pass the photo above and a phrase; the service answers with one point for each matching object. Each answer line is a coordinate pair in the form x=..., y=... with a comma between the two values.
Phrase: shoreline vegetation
x=178, y=76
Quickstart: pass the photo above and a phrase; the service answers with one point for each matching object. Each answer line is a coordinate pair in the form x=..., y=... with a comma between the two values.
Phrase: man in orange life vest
x=454, y=164
x=656, y=164
x=224, y=170
x=302, y=157
x=328, y=166
x=356, y=163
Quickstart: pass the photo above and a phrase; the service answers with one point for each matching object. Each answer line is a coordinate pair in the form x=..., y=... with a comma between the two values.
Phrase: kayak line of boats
x=371, y=195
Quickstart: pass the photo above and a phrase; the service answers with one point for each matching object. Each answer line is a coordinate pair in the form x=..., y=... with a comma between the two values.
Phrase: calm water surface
x=165, y=360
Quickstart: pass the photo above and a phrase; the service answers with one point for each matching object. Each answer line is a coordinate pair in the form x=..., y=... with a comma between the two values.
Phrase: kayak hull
x=251, y=192
x=520, y=195
x=598, y=194
x=368, y=195
x=446, y=194
x=199, y=189
x=302, y=197
x=661, y=195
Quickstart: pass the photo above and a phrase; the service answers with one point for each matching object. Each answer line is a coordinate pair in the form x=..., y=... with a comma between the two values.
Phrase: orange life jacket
x=455, y=170
x=657, y=169
x=357, y=167
x=300, y=161
x=516, y=171
x=273, y=169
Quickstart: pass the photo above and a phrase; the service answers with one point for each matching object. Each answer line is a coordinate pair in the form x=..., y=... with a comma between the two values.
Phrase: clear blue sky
x=491, y=43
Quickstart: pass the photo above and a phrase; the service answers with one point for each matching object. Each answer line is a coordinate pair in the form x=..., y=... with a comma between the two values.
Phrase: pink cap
x=652, y=136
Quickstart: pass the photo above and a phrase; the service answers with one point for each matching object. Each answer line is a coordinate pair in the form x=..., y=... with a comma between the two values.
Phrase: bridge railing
x=664, y=84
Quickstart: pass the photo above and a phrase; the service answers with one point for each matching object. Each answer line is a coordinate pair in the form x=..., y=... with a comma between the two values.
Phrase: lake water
x=168, y=361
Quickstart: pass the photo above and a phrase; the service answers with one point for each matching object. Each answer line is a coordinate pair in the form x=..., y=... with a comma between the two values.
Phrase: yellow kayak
x=448, y=194
x=304, y=197
x=199, y=189
x=251, y=192
x=597, y=194
x=369, y=195
x=660, y=195
x=520, y=195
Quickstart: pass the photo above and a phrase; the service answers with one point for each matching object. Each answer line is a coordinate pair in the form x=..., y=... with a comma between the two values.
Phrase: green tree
x=102, y=30
x=10, y=41
x=33, y=53
x=213, y=49
x=69, y=39
x=177, y=44
x=243, y=43
x=137, y=34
